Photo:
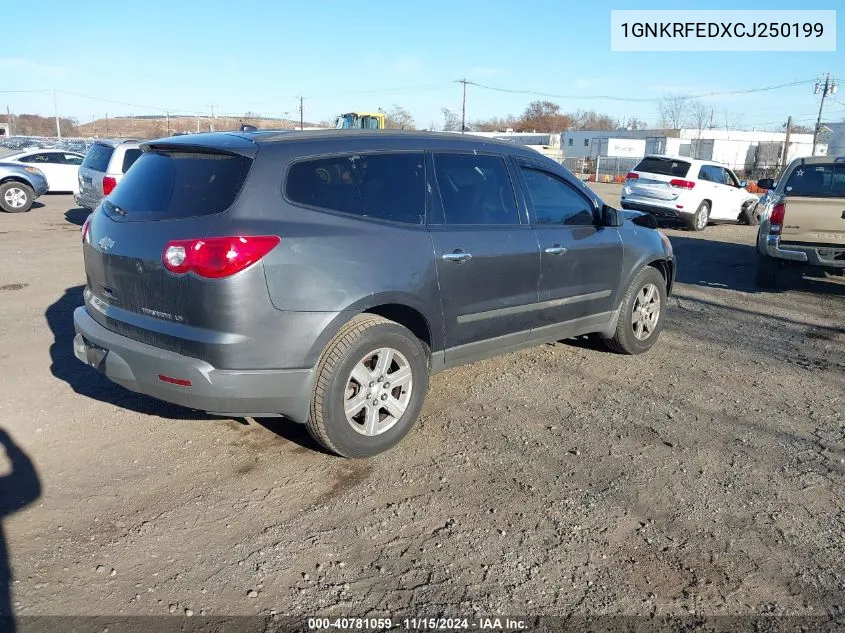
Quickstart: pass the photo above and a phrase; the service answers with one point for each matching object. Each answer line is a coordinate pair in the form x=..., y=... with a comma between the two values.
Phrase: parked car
x=60, y=167
x=695, y=191
x=323, y=276
x=803, y=223
x=20, y=185
x=104, y=166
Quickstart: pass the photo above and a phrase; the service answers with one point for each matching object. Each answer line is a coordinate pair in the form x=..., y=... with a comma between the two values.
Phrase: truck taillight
x=776, y=218
x=109, y=183
x=682, y=184
x=216, y=257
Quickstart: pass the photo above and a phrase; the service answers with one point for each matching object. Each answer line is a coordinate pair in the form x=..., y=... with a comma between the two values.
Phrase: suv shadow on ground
x=77, y=215
x=716, y=264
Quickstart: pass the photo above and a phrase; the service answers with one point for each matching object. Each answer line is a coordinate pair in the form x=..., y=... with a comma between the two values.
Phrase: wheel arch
x=18, y=179
x=403, y=309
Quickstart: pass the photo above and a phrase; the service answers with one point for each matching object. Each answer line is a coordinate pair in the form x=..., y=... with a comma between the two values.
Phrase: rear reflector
x=85, y=226
x=682, y=184
x=216, y=257
x=182, y=382
x=632, y=176
x=109, y=184
x=776, y=218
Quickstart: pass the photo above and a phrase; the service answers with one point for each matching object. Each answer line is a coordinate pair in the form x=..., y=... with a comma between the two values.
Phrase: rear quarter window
x=98, y=157
x=129, y=158
x=169, y=185
x=663, y=167
x=384, y=186
x=816, y=181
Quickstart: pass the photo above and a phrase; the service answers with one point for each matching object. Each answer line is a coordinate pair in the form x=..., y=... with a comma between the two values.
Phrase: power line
x=715, y=93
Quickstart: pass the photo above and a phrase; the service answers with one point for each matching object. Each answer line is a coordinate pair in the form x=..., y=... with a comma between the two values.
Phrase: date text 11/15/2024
x=417, y=624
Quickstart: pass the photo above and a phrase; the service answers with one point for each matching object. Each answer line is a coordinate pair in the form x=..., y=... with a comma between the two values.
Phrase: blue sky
x=344, y=56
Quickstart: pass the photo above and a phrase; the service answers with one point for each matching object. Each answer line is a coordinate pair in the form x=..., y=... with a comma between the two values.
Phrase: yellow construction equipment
x=360, y=121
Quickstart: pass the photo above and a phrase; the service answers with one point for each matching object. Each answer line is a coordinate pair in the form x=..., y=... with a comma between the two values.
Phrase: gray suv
x=324, y=276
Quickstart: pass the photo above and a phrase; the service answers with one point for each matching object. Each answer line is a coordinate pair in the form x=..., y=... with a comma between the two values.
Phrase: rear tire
x=638, y=327
x=355, y=411
x=698, y=222
x=16, y=197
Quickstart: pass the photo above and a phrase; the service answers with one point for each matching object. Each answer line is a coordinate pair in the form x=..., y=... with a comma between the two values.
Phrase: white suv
x=695, y=191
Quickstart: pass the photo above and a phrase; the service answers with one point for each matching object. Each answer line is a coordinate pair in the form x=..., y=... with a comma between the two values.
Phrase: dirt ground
x=706, y=476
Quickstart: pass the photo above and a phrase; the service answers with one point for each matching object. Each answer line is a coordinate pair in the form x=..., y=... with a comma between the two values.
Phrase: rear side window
x=129, y=158
x=819, y=180
x=98, y=157
x=663, y=167
x=165, y=185
x=475, y=189
x=384, y=186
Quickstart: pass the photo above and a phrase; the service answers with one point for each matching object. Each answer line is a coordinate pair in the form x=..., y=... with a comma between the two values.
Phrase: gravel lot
x=706, y=476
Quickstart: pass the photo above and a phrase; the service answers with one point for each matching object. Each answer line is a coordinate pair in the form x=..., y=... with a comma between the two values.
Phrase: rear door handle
x=457, y=256
x=557, y=249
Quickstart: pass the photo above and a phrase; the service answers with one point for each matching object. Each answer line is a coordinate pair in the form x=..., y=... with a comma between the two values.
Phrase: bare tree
x=545, y=116
x=451, y=120
x=634, y=123
x=592, y=120
x=399, y=118
x=674, y=111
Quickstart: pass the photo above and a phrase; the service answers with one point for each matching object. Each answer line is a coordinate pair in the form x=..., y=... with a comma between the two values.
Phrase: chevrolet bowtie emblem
x=106, y=243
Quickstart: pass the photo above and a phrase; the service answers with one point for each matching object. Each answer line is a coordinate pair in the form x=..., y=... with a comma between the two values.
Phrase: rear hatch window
x=817, y=181
x=98, y=157
x=172, y=185
x=663, y=167
x=129, y=158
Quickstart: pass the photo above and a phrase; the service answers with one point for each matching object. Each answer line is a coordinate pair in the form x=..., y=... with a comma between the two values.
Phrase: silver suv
x=104, y=166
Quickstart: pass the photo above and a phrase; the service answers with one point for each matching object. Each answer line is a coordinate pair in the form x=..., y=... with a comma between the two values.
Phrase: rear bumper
x=655, y=210
x=86, y=200
x=829, y=256
x=138, y=367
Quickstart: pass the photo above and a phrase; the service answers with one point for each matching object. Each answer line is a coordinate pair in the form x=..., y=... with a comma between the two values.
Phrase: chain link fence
x=12, y=144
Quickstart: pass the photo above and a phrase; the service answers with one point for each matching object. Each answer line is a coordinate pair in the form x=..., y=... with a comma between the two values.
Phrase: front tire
x=16, y=197
x=698, y=222
x=370, y=387
x=640, y=314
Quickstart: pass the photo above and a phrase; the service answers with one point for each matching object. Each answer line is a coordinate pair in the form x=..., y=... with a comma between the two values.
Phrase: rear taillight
x=632, y=176
x=109, y=184
x=216, y=257
x=85, y=226
x=682, y=184
x=776, y=218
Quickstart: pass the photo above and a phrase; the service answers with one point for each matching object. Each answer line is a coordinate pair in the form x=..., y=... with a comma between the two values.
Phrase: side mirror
x=611, y=216
x=743, y=184
x=766, y=183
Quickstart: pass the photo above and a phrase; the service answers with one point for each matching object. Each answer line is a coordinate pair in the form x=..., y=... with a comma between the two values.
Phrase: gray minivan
x=323, y=276
x=104, y=166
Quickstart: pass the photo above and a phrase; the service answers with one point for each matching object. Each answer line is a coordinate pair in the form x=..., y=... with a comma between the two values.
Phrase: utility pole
x=132, y=118
x=211, y=120
x=301, y=113
x=9, y=120
x=107, y=124
x=56, y=112
x=830, y=87
x=785, y=153
x=167, y=115
x=464, y=107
